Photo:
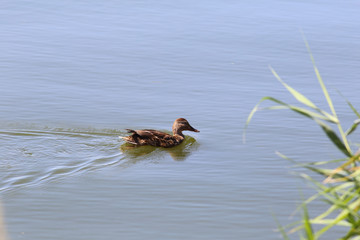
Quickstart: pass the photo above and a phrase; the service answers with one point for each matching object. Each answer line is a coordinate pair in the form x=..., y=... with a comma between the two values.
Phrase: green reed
x=340, y=189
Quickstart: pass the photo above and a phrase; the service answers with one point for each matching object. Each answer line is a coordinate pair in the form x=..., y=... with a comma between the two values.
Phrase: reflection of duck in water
x=160, y=139
x=178, y=153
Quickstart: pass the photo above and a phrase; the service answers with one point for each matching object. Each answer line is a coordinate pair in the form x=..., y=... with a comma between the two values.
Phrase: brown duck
x=160, y=139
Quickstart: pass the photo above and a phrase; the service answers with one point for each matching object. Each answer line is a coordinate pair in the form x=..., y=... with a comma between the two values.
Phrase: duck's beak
x=193, y=129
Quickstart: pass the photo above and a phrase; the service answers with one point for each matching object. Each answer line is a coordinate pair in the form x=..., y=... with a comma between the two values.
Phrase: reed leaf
x=302, y=99
x=350, y=161
x=354, y=237
x=353, y=127
x=304, y=165
x=346, y=177
x=342, y=202
x=327, y=96
x=322, y=84
x=334, y=138
x=339, y=218
x=329, y=221
x=303, y=111
x=281, y=229
x=307, y=225
x=298, y=96
x=351, y=106
x=336, y=202
x=320, y=162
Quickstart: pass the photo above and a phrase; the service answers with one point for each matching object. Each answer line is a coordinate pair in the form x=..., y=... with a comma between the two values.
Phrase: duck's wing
x=153, y=138
x=161, y=139
x=153, y=133
x=148, y=133
x=148, y=137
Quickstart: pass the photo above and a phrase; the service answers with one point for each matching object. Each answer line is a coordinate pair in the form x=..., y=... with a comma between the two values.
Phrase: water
x=74, y=75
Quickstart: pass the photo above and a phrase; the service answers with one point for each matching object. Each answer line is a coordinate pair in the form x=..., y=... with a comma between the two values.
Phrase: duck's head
x=181, y=124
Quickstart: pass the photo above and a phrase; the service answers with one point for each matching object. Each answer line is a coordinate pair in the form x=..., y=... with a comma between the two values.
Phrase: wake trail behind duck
x=34, y=156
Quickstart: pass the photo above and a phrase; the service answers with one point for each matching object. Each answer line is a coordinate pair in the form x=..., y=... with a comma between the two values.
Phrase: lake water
x=75, y=74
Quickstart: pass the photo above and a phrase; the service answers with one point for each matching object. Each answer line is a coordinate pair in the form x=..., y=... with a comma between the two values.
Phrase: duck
x=160, y=139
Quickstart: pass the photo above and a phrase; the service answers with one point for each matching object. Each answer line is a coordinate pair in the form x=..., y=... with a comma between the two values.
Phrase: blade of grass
x=353, y=127
x=346, y=178
x=327, y=192
x=356, y=237
x=301, y=98
x=304, y=165
x=307, y=225
x=322, y=84
x=281, y=229
x=351, y=160
x=339, y=218
x=334, y=138
x=302, y=111
x=298, y=96
x=354, y=110
x=350, y=105
x=327, y=96
x=312, y=115
x=329, y=221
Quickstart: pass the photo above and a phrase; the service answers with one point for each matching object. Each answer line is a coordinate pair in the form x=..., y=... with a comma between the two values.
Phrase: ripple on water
x=37, y=156
x=34, y=156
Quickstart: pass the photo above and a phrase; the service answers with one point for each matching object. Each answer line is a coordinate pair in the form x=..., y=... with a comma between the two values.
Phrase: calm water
x=74, y=75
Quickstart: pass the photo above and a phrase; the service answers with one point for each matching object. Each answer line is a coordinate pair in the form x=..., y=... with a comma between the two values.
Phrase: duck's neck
x=178, y=132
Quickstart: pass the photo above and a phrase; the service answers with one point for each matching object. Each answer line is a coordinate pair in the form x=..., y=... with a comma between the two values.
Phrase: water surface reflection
x=178, y=153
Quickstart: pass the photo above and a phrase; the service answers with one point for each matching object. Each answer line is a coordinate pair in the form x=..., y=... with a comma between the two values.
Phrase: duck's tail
x=129, y=139
x=130, y=130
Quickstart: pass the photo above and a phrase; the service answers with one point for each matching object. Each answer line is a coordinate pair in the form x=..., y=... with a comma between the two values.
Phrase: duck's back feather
x=153, y=138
